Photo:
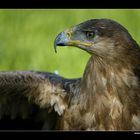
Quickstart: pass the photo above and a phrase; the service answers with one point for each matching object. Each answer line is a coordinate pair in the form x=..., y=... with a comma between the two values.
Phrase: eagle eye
x=90, y=34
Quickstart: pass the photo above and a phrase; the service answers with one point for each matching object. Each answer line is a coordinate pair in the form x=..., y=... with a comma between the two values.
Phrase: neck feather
x=104, y=78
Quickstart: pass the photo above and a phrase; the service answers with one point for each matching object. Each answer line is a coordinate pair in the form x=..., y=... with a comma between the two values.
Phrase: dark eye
x=90, y=35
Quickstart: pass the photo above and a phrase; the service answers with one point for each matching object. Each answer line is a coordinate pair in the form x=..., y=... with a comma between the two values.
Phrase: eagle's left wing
x=21, y=92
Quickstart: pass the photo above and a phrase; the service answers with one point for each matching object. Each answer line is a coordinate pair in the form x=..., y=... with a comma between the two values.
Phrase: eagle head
x=101, y=37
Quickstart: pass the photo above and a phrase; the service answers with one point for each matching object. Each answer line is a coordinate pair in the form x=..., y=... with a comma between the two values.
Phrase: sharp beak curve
x=65, y=39
x=60, y=40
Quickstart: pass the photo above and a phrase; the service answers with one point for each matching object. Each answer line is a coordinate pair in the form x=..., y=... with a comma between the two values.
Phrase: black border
x=72, y=4
x=71, y=135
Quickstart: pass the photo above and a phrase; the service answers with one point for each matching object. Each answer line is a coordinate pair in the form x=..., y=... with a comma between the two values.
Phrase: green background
x=27, y=36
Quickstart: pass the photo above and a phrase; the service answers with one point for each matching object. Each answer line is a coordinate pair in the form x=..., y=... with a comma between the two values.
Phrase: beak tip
x=55, y=45
x=55, y=50
x=60, y=40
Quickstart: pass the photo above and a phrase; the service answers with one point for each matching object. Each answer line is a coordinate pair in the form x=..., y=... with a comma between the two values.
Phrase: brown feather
x=33, y=95
x=107, y=97
x=109, y=94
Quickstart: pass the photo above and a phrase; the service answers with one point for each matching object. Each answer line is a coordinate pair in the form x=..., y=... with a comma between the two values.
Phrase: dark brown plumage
x=29, y=100
x=107, y=97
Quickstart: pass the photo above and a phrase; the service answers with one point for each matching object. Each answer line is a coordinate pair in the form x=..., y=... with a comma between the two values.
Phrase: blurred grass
x=26, y=38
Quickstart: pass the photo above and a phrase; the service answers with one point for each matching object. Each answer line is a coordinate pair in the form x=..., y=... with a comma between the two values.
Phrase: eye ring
x=90, y=35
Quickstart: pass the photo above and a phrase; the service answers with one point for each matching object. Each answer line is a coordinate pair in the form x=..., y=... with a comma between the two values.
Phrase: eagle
x=106, y=97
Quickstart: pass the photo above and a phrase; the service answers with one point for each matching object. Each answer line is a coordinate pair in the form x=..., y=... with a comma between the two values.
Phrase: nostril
x=69, y=34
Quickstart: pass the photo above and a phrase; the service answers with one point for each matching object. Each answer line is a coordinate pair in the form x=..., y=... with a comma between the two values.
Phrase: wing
x=36, y=96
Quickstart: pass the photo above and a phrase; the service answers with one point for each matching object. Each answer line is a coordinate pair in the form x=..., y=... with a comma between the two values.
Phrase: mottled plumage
x=33, y=96
x=109, y=95
x=106, y=97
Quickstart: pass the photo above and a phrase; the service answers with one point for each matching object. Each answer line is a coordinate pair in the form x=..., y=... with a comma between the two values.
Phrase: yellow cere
x=68, y=32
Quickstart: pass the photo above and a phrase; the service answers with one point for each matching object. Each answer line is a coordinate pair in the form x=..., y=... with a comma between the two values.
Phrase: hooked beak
x=61, y=40
x=65, y=39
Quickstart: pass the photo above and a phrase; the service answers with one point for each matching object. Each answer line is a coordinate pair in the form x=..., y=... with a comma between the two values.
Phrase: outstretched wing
x=38, y=95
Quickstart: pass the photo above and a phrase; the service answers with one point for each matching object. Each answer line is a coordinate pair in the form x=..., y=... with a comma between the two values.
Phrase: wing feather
x=23, y=92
